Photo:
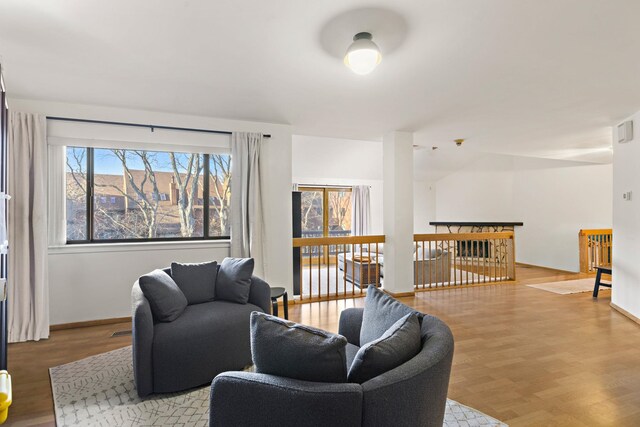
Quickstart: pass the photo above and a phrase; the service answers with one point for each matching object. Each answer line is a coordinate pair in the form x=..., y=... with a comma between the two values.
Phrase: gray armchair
x=205, y=340
x=414, y=393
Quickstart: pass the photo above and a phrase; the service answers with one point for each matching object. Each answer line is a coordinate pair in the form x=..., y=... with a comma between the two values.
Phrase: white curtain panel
x=4, y=243
x=360, y=210
x=247, y=223
x=28, y=288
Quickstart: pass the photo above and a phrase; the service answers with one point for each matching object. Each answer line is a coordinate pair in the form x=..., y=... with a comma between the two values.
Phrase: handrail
x=320, y=233
x=299, y=242
x=595, y=231
x=464, y=236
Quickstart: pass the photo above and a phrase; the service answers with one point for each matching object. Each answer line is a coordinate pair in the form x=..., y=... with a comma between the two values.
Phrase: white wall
x=333, y=161
x=626, y=223
x=424, y=207
x=88, y=283
x=554, y=199
x=481, y=192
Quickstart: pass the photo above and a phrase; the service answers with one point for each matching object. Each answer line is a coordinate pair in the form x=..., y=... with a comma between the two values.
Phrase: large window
x=326, y=211
x=139, y=195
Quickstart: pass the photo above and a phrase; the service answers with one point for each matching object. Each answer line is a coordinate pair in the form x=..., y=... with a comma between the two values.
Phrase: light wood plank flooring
x=523, y=355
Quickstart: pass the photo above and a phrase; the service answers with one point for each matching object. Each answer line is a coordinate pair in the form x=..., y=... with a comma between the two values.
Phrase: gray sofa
x=413, y=394
x=205, y=340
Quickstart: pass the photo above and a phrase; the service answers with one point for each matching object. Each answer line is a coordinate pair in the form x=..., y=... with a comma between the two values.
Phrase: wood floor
x=525, y=356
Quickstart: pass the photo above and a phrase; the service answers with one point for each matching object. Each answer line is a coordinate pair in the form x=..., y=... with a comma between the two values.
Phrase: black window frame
x=90, y=209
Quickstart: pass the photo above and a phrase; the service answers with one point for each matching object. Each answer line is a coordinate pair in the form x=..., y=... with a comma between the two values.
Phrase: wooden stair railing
x=343, y=267
x=337, y=267
x=595, y=248
x=462, y=259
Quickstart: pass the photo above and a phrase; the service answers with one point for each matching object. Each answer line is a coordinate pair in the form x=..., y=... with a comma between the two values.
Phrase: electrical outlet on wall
x=627, y=196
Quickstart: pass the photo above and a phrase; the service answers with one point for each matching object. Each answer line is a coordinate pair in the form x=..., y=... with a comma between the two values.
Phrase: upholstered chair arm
x=142, y=339
x=350, y=324
x=260, y=294
x=250, y=399
x=419, y=386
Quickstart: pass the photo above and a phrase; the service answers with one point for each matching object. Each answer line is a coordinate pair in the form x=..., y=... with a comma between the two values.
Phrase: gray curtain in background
x=247, y=223
x=360, y=210
x=28, y=287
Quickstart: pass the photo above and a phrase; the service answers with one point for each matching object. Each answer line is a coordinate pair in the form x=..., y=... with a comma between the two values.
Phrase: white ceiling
x=543, y=78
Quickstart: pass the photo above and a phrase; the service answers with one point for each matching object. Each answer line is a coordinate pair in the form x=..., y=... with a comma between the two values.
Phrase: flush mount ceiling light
x=363, y=55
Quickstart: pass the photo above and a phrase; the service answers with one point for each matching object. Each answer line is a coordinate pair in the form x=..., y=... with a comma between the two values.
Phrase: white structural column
x=397, y=153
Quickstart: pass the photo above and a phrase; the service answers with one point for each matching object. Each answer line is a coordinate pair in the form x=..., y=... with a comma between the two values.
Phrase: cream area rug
x=99, y=391
x=569, y=286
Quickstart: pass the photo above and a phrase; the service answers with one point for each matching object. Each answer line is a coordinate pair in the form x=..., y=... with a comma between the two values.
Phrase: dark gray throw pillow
x=165, y=297
x=234, y=280
x=291, y=350
x=380, y=312
x=197, y=281
x=397, y=345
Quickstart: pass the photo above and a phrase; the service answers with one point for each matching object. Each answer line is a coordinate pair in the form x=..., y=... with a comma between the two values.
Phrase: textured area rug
x=99, y=391
x=569, y=286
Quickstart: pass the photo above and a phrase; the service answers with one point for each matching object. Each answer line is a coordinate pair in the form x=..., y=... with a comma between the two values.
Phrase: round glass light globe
x=363, y=56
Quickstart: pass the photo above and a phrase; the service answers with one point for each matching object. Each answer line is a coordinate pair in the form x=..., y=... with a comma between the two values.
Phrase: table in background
x=600, y=271
x=276, y=293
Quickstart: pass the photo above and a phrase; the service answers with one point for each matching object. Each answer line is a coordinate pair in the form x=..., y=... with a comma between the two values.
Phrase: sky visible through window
x=107, y=163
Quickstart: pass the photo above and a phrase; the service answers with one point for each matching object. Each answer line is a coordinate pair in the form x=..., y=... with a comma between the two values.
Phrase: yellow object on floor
x=5, y=395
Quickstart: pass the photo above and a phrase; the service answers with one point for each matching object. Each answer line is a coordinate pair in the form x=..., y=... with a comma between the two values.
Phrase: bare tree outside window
x=312, y=213
x=135, y=215
x=339, y=212
x=76, y=200
x=219, y=194
x=187, y=177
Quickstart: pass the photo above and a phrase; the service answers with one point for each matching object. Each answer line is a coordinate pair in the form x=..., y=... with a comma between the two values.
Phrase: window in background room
x=326, y=211
x=312, y=207
x=339, y=215
x=144, y=195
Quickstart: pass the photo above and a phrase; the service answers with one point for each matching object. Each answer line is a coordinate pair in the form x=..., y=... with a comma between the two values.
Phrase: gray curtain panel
x=247, y=222
x=360, y=210
x=28, y=289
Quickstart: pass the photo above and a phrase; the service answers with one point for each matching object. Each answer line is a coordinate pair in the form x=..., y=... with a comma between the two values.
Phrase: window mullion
x=205, y=199
x=90, y=193
x=325, y=212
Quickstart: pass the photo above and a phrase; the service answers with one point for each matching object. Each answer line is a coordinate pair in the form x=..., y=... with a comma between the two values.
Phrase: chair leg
x=596, y=286
x=285, y=302
x=274, y=306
